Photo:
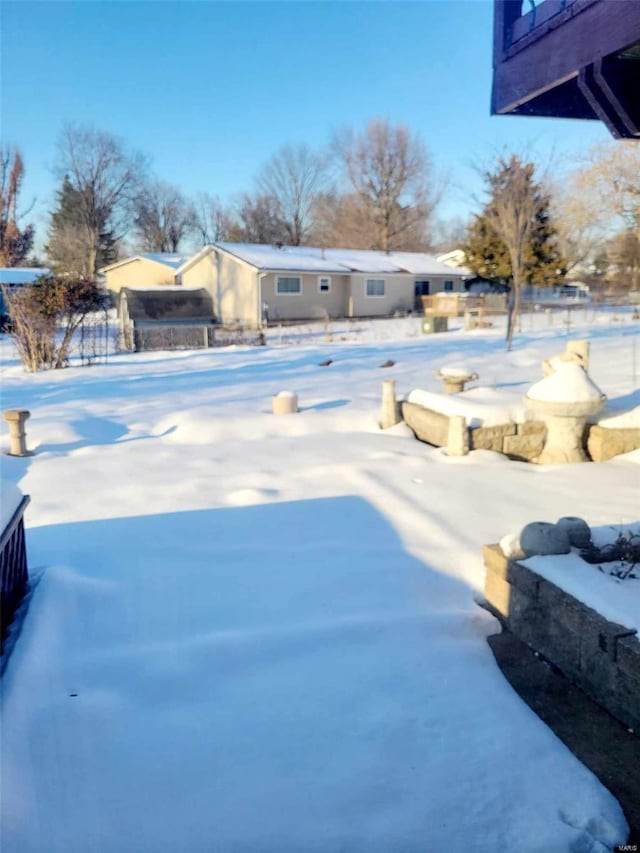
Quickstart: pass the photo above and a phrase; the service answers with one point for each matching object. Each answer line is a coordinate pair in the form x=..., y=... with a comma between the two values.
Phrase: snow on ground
x=258, y=633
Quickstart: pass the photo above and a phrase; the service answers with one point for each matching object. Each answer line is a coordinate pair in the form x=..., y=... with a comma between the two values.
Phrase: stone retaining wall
x=519, y=441
x=601, y=657
x=427, y=424
x=523, y=442
x=605, y=443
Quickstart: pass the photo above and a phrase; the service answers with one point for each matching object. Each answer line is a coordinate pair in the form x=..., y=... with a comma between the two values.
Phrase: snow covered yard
x=255, y=633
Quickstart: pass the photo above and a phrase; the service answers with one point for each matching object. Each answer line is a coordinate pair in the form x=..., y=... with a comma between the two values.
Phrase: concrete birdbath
x=564, y=400
x=455, y=378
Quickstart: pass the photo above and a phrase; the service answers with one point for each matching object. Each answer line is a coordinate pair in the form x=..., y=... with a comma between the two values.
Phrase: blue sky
x=210, y=90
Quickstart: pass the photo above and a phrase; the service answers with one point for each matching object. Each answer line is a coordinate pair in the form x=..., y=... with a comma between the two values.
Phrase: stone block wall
x=428, y=425
x=605, y=443
x=519, y=441
x=523, y=442
x=601, y=657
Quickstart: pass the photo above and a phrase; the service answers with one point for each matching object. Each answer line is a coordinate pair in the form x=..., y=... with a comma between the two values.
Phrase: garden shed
x=170, y=318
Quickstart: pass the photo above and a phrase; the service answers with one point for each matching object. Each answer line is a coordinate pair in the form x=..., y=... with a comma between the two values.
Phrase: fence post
x=457, y=436
x=390, y=414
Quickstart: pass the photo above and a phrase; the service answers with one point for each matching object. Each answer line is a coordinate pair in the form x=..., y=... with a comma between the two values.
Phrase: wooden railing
x=456, y=304
x=14, y=575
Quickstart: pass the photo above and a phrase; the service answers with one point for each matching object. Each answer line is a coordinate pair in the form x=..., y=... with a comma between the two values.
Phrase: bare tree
x=624, y=252
x=258, y=221
x=105, y=177
x=162, y=217
x=341, y=220
x=214, y=221
x=15, y=242
x=448, y=234
x=390, y=172
x=598, y=199
x=581, y=235
x=292, y=178
x=605, y=190
x=611, y=180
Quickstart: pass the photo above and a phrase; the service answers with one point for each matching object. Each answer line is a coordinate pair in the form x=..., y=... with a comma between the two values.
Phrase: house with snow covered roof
x=17, y=277
x=248, y=281
x=149, y=269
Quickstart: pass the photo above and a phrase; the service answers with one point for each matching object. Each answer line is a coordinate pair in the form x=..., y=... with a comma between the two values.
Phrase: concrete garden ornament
x=542, y=538
x=564, y=400
x=16, y=418
x=455, y=378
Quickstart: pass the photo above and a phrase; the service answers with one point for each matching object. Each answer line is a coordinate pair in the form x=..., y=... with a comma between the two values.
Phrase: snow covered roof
x=168, y=259
x=193, y=259
x=312, y=259
x=21, y=275
x=454, y=258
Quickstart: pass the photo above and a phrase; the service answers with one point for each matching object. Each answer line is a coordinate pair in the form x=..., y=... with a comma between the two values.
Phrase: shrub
x=45, y=315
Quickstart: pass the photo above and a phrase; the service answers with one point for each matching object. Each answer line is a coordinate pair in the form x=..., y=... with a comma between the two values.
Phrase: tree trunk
x=92, y=255
x=513, y=308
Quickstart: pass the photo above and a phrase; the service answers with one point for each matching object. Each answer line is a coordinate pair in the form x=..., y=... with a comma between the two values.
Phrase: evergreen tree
x=67, y=246
x=513, y=241
x=487, y=254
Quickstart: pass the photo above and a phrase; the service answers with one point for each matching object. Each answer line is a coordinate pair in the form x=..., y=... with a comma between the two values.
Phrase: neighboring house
x=454, y=258
x=474, y=284
x=250, y=283
x=150, y=269
x=165, y=318
x=16, y=277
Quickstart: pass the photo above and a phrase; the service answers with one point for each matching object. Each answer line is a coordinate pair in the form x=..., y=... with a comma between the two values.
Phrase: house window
x=375, y=287
x=288, y=284
x=448, y=286
x=324, y=284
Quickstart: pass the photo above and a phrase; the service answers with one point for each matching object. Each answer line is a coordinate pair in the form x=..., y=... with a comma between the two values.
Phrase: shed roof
x=341, y=261
x=21, y=275
x=168, y=305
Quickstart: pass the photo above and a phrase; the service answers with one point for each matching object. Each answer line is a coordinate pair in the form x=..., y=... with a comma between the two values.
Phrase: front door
x=421, y=289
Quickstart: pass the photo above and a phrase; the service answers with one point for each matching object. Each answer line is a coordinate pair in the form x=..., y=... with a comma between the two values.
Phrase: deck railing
x=14, y=575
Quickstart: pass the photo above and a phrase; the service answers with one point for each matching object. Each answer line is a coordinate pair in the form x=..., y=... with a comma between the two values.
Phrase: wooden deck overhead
x=569, y=59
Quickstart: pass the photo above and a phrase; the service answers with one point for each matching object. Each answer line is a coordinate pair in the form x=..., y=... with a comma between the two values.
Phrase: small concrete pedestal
x=565, y=430
x=16, y=418
x=454, y=382
x=285, y=403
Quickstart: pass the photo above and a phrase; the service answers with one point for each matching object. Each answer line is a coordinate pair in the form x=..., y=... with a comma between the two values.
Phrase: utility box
x=435, y=324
